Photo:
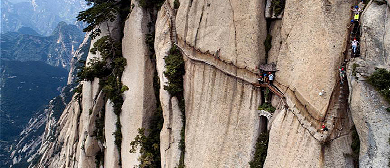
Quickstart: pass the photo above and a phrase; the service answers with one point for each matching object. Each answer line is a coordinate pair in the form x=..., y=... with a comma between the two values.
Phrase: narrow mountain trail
x=338, y=106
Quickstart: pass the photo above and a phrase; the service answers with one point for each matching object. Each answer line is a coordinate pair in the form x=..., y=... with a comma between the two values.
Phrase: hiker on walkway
x=324, y=128
x=270, y=77
x=342, y=74
x=357, y=12
x=265, y=77
x=352, y=23
x=260, y=79
x=354, y=45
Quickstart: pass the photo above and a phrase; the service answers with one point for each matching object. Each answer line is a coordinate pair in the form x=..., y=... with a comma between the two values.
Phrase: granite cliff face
x=367, y=106
x=222, y=46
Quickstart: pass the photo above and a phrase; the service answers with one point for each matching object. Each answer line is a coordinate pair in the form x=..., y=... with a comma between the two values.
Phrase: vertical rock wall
x=139, y=100
x=314, y=36
x=170, y=133
x=367, y=105
x=221, y=119
x=89, y=101
x=309, y=51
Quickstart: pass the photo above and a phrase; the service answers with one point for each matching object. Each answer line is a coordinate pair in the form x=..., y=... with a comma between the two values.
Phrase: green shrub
x=278, y=6
x=380, y=79
x=96, y=68
x=149, y=39
x=260, y=151
x=150, y=150
x=176, y=4
x=99, y=13
x=99, y=158
x=150, y=3
x=174, y=72
x=267, y=43
x=267, y=107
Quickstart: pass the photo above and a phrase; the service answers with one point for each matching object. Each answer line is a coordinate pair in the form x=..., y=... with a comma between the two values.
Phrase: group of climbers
x=355, y=31
x=267, y=77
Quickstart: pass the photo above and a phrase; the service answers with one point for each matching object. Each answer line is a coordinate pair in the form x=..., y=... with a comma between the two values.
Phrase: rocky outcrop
x=170, y=133
x=75, y=144
x=368, y=108
x=78, y=57
x=139, y=101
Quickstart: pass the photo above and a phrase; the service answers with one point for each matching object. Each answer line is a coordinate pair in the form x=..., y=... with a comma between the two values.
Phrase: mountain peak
x=28, y=30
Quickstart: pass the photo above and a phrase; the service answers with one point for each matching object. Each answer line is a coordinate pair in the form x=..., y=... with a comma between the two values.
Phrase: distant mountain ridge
x=40, y=15
x=55, y=50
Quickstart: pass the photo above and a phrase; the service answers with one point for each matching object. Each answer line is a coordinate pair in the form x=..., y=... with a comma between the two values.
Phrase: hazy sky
x=16, y=1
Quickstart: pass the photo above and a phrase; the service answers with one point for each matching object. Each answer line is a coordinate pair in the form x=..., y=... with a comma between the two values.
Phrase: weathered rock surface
x=314, y=36
x=372, y=123
x=139, y=101
x=273, y=53
x=367, y=106
x=111, y=153
x=375, y=41
x=309, y=52
x=236, y=29
x=170, y=133
x=221, y=114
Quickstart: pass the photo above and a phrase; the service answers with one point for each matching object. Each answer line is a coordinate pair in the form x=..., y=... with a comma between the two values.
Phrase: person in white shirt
x=270, y=78
x=354, y=45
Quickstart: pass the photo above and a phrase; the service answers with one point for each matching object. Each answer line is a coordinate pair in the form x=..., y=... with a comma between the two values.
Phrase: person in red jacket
x=324, y=128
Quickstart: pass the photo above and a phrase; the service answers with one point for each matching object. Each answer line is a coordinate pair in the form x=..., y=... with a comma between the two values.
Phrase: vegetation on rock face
x=176, y=4
x=278, y=6
x=380, y=79
x=267, y=107
x=110, y=67
x=174, y=72
x=260, y=151
x=150, y=3
x=100, y=12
